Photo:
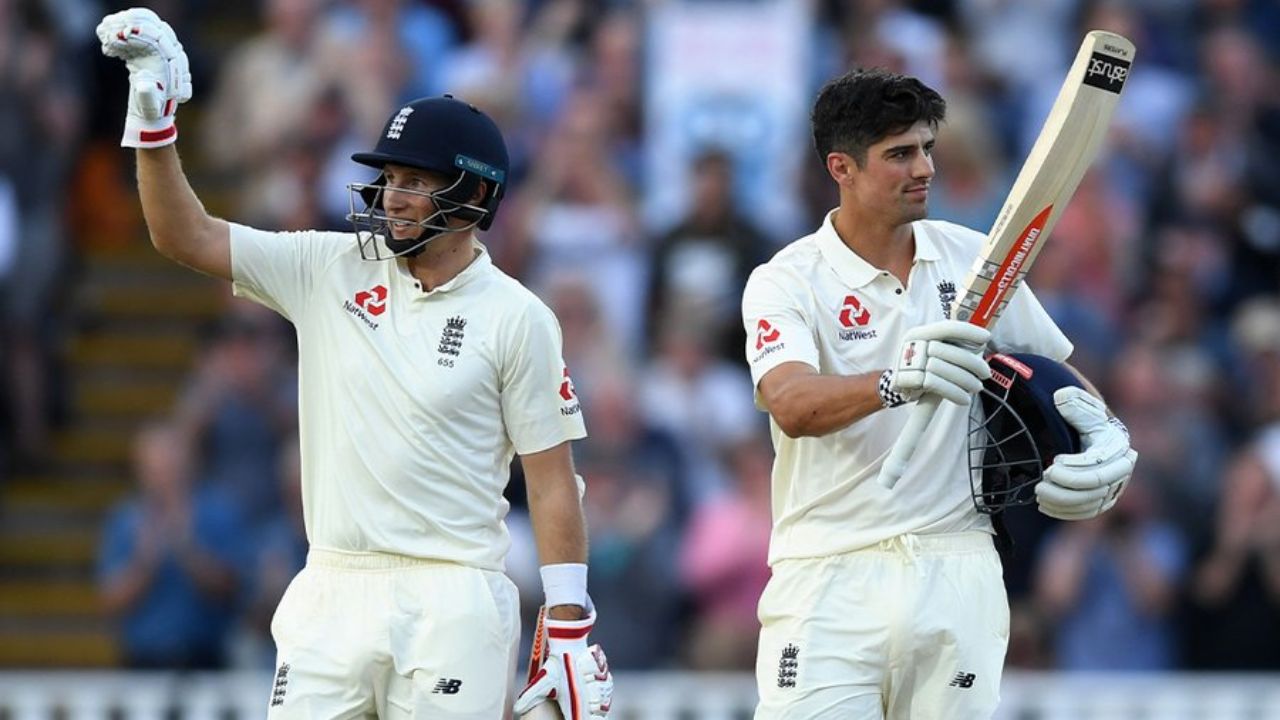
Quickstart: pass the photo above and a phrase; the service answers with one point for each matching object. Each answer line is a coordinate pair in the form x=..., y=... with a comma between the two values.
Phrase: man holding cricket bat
x=423, y=370
x=889, y=602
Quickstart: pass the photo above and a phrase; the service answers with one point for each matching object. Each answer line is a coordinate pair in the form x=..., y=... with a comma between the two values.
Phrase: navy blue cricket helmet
x=1015, y=431
x=446, y=136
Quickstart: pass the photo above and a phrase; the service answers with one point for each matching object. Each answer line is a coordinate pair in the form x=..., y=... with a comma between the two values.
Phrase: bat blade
x=546, y=710
x=1067, y=144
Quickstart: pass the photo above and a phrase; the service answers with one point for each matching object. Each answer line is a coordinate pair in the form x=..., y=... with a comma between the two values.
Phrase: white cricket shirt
x=411, y=404
x=819, y=303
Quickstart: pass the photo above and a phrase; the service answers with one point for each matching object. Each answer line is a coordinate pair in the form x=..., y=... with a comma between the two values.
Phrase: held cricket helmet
x=1015, y=431
x=443, y=135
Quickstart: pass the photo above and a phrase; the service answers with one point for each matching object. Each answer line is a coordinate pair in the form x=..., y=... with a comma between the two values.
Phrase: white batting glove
x=942, y=358
x=1086, y=484
x=159, y=74
x=566, y=672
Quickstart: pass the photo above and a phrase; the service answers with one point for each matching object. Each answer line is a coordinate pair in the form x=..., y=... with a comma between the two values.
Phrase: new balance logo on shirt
x=963, y=680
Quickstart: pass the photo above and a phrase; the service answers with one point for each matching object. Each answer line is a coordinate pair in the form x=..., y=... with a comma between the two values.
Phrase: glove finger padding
x=942, y=367
x=572, y=674
x=1067, y=472
x=1086, y=511
x=969, y=361
x=1069, y=493
x=159, y=74
x=954, y=332
x=580, y=684
x=948, y=382
x=961, y=368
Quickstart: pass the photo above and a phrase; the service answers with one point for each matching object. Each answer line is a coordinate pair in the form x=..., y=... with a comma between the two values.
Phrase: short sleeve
x=1026, y=327
x=539, y=405
x=278, y=269
x=777, y=330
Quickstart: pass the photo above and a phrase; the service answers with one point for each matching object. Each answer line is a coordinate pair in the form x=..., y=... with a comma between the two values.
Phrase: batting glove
x=159, y=74
x=565, y=671
x=942, y=358
x=1083, y=485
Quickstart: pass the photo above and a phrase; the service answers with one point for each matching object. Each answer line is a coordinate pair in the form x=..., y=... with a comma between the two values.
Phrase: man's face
x=411, y=207
x=895, y=177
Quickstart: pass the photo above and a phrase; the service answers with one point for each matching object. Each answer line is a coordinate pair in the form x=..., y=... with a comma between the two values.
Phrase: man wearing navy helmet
x=420, y=378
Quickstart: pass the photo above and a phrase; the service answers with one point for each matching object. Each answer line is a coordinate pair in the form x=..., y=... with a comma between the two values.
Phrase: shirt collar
x=850, y=266
x=926, y=247
x=478, y=266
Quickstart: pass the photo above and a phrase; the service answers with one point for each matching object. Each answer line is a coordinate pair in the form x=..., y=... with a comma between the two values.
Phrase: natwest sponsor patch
x=766, y=333
x=367, y=305
x=768, y=340
x=853, y=314
x=569, y=395
x=854, y=317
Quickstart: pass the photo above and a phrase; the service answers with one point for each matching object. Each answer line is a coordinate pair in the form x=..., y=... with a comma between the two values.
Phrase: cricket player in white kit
x=420, y=378
x=886, y=603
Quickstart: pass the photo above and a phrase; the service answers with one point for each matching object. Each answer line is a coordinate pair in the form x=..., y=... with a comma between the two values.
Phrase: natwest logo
x=566, y=387
x=765, y=333
x=852, y=313
x=373, y=300
x=569, y=395
x=368, y=305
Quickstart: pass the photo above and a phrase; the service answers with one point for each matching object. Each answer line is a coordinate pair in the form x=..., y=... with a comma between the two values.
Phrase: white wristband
x=565, y=584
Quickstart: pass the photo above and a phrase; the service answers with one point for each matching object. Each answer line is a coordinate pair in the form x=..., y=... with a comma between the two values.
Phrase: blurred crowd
x=1164, y=271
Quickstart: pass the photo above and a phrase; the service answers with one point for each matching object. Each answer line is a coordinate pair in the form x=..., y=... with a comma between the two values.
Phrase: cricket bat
x=1067, y=145
x=547, y=710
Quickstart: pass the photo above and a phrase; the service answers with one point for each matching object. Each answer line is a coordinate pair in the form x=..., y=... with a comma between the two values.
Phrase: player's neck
x=881, y=244
x=442, y=260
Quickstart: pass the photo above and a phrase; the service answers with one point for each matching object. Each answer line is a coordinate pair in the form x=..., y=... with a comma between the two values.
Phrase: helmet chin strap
x=414, y=246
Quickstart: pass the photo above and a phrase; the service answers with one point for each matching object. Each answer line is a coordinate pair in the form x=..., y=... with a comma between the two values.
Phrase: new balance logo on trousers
x=447, y=686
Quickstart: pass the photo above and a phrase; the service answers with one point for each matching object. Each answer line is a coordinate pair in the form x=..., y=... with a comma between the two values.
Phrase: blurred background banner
x=732, y=77
x=660, y=151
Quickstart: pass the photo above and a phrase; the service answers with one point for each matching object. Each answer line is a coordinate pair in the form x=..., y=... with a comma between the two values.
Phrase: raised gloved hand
x=942, y=358
x=159, y=75
x=1086, y=484
x=563, y=670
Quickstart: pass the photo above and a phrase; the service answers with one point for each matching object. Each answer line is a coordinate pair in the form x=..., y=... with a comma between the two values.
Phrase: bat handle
x=895, y=465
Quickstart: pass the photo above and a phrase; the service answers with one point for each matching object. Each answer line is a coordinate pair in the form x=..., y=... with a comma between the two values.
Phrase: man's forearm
x=814, y=405
x=559, y=530
x=180, y=227
x=559, y=527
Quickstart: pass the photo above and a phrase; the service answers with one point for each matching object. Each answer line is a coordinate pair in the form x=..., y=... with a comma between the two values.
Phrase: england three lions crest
x=946, y=296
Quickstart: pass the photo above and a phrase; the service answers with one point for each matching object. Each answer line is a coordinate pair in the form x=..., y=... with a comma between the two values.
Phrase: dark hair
x=862, y=107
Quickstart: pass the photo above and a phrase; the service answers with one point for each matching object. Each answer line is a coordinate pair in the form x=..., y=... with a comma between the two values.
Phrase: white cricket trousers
x=915, y=627
x=364, y=635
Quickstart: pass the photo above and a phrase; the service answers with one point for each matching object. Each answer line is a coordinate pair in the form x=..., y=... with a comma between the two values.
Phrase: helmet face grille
x=373, y=227
x=1004, y=460
x=1015, y=430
